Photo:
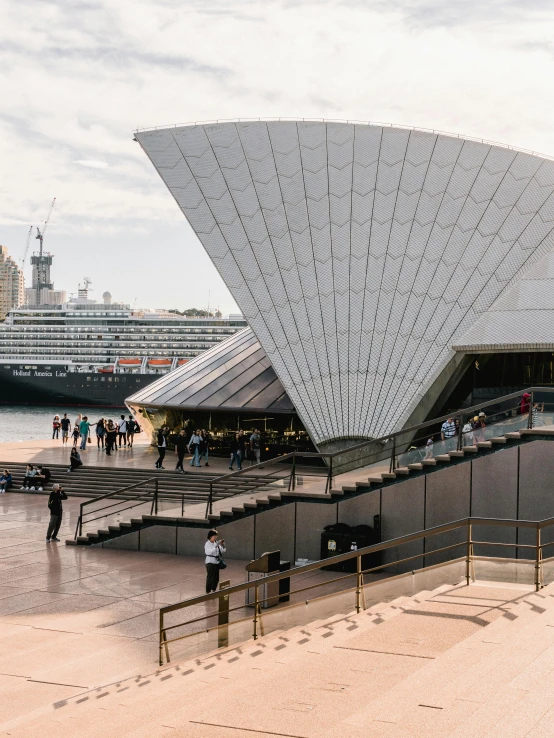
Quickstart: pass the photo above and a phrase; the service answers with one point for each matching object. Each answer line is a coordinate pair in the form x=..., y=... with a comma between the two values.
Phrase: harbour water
x=34, y=422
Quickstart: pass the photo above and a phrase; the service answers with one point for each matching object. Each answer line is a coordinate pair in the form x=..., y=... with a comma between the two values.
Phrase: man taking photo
x=56, y=512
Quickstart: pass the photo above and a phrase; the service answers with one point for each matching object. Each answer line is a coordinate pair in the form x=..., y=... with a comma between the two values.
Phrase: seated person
x=5, y=481
x=42, y=477
x=29, y=477
x=74, y=460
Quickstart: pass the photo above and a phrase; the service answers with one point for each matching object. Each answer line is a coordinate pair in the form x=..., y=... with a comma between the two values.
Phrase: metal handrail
x=83, y=512
x=374, y=442
x=469, y=542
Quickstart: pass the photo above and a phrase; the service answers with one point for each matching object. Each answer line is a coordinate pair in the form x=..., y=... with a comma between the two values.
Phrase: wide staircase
x=95, y=481
x=457, y=661
x=251, y=495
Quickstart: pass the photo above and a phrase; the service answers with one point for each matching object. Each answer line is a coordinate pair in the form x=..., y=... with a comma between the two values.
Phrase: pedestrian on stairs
x=56, y=512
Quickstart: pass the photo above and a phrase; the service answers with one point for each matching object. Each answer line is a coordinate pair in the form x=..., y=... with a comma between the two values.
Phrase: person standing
x=75, y=435
x=194, y=448
x=56, y=427
x=180, y=449
x=122, y=431
x=255, y=447
x=56, y=512
x=84, y=428
x=132, y=426
x=100, y=433
x=235, y=452
x=65, y=424
x=525, y=403
x=243, y=442
x=162, y=445
x=214, y=551
x=206, y=438
x=448, y=432
x=111, y=437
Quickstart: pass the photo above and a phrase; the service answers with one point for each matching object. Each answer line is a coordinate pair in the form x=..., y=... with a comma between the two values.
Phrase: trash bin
x=341, y=538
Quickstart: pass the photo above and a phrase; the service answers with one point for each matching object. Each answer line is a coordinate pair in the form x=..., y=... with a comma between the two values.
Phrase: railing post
x=255, y=633
x=182, y=505
x=160, y=653
x=359, y=582
x=155, y=497
x=292, y=480
x=469, y=554
x=209, y=503
x=329, y=485
x=79, y=527
x=530, y=418
x=392, y=465
x=538, y=558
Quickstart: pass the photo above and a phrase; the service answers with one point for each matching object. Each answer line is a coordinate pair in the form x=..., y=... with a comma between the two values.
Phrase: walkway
x=74, y=619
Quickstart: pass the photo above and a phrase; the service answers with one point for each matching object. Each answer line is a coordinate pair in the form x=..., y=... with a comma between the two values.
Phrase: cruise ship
x=84, y=352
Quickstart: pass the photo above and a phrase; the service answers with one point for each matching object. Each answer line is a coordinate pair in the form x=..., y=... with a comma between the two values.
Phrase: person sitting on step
x=29, y=477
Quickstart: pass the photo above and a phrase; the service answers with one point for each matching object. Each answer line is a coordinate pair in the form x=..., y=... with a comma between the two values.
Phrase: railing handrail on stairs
x=83, y=505
x=359, y=603
x=391, y=438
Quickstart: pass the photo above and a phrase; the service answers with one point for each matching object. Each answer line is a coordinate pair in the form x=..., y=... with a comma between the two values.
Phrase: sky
x=79, y=76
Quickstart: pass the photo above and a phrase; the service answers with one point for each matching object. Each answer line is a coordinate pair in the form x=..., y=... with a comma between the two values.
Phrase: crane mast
x=42, y=261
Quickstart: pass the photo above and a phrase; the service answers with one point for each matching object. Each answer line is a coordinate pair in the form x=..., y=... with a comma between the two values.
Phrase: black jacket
x=55, y=502
x=181, y=444
x=161, y=438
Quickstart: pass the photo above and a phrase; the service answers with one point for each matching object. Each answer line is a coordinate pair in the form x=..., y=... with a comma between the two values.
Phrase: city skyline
x=81, y=78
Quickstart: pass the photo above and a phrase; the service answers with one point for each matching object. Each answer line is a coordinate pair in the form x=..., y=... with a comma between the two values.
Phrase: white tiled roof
x=521, y=319
x=359, y=254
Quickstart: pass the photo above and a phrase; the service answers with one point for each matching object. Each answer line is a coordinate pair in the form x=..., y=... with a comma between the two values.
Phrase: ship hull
x=25, y=386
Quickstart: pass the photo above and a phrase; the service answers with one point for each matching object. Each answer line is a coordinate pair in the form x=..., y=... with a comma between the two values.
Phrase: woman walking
x=56, y=427
x=100, y=433
x=214, y=551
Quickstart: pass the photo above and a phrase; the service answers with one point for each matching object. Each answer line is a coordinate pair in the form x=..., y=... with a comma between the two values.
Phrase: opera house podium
x=268, y=594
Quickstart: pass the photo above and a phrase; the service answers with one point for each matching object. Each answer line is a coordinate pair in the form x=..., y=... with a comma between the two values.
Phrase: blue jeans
x=195, y=461
x=236, y=456
x=84, y=440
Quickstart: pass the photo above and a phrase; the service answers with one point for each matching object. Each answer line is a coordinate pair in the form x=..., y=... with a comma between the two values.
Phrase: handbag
x=220, y=560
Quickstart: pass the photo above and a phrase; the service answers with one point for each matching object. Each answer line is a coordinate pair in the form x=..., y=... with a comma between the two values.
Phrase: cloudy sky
x=78, y=76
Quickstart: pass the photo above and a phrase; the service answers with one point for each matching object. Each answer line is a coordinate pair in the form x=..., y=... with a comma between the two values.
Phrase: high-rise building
x=12, y=292
x=42, y=292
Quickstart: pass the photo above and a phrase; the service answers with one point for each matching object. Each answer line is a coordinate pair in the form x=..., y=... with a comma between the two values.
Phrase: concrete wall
x=402, y=512
x=447, y=498
x=494, y=494
x=514, y=483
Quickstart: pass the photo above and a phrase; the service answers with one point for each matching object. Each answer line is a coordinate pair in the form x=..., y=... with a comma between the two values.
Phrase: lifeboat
x=130, y=362
x=106, y=370
x=159, y=362
x=182, y=361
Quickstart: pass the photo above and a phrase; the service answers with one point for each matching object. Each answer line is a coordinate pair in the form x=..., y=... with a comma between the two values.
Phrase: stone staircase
x=263, y=500
x=94, y=481
x=455, y=662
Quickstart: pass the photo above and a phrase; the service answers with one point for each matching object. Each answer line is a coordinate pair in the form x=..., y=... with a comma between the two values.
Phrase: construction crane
x=40, y=265
x=24, y=259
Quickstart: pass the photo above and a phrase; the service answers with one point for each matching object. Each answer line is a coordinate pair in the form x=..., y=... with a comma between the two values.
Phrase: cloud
x=92, y=163
x=79, y=76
